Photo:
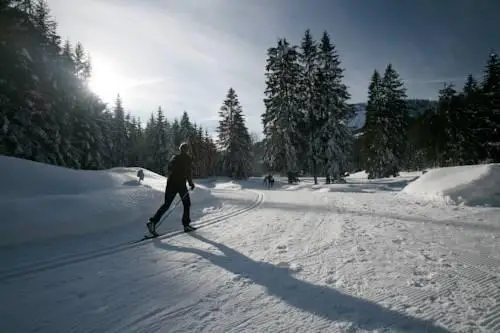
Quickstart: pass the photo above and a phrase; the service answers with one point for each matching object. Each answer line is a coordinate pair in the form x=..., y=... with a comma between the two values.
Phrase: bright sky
x=185, y=54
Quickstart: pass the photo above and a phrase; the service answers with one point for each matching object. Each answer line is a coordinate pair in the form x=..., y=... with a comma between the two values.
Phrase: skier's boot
x=188, y=228
x=151, y=227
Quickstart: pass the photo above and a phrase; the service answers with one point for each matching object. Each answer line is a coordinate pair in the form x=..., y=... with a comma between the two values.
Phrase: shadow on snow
x=322, y=301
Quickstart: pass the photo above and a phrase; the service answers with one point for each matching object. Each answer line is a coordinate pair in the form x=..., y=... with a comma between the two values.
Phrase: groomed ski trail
x=302, y=260
x=88, y=255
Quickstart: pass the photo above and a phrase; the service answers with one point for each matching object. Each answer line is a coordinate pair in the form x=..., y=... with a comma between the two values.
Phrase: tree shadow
x=321, y=301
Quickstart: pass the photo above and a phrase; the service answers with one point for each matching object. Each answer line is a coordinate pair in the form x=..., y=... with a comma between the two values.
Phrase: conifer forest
x=48, y=114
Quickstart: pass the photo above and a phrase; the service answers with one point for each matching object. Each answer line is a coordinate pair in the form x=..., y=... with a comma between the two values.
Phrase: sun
x=106, y=81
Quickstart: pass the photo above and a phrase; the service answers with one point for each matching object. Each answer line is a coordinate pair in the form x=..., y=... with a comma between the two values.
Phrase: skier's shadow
x=322, y=301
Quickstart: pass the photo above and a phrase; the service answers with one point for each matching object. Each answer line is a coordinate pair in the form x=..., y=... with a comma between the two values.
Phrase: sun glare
x=106, y=81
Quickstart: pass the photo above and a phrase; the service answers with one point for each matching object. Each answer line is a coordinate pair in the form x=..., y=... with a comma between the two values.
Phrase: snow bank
x=227, y=186
x=472, y=185
x=40, y=201
x=358, y=175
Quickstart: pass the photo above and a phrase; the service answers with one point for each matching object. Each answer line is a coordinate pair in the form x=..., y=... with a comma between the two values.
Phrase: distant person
x=140, y=175
x=178, y=172
x=269, y=181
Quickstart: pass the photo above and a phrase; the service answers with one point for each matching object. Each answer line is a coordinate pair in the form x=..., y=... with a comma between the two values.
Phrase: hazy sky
x=185, y=54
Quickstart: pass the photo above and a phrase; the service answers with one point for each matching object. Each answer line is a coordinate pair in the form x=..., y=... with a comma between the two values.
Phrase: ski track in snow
x=356, y=258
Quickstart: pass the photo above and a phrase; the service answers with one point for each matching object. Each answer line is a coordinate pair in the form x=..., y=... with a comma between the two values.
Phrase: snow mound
x=358, y=175
x=41, y=201
x=227, y=186
x=472, y=185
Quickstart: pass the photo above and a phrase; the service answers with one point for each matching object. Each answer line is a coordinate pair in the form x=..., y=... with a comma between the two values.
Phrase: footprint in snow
x=282, y=248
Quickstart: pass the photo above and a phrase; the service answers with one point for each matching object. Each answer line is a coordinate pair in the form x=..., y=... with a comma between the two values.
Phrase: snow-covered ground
x=365, y=256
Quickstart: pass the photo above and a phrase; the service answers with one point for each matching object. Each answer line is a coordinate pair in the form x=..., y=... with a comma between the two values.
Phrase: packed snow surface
x=39, y=201
x=364, y=256
x=474, y=185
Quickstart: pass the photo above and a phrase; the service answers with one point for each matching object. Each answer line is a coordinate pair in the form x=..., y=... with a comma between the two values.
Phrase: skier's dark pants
x=170, y=193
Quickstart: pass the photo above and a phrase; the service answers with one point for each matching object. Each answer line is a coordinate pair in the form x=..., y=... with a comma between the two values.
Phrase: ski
x=149, y=236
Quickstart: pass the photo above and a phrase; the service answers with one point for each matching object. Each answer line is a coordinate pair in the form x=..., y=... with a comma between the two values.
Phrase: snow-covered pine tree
x=79, y=59
x=396, y=119
x=27, y=6
x=119, y=134
x=448, y=116
x=210, y=150
x=106, y=124
x=194, y=149
x=333, y=139
x=48, y=114
x=67, y=57
x=308, y=59
x=472, y=121
x=234, y=139
x=47, y=26
x=149, y=142
x=375, y=138
x=133, y=140
x=176, y=132
x=491, y=108
x=197, y=150
x=161, y=147
x=283, y=116
x=185, y=127
x=201, y=153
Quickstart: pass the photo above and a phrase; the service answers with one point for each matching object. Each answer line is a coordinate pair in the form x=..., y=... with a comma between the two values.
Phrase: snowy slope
x=41, y=201
x=355, y=257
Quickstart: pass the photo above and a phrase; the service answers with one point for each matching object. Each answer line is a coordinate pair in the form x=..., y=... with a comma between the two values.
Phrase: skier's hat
x=183, y=147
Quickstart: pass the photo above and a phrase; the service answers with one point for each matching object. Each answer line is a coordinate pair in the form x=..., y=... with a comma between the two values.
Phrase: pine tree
x=308, y=57
x=472, y=120
x=234, y=140
x=150, y=143
x=162, y=149
x=333, y=140
x=491, y=108
x=374, y=138
x=68, y=61
x=120, y=134
x=176, y=133
x=283, y=116
x=395, y=117
x=49, y=115
x=45, y=24
x=185, y=127
x=448, y=113
x=26, y=6
x=79, y=60
x=385, y=130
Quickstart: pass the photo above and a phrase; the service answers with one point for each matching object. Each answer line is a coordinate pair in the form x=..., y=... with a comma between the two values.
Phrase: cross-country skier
x=179, y=171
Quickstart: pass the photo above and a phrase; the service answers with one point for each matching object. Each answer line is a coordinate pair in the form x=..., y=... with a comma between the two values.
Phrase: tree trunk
x=314, y=172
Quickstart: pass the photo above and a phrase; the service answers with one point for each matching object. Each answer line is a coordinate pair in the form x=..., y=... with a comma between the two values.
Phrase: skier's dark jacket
x=179, y=171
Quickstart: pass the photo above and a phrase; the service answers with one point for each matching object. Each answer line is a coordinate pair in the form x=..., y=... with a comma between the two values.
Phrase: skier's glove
x=191, y=186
